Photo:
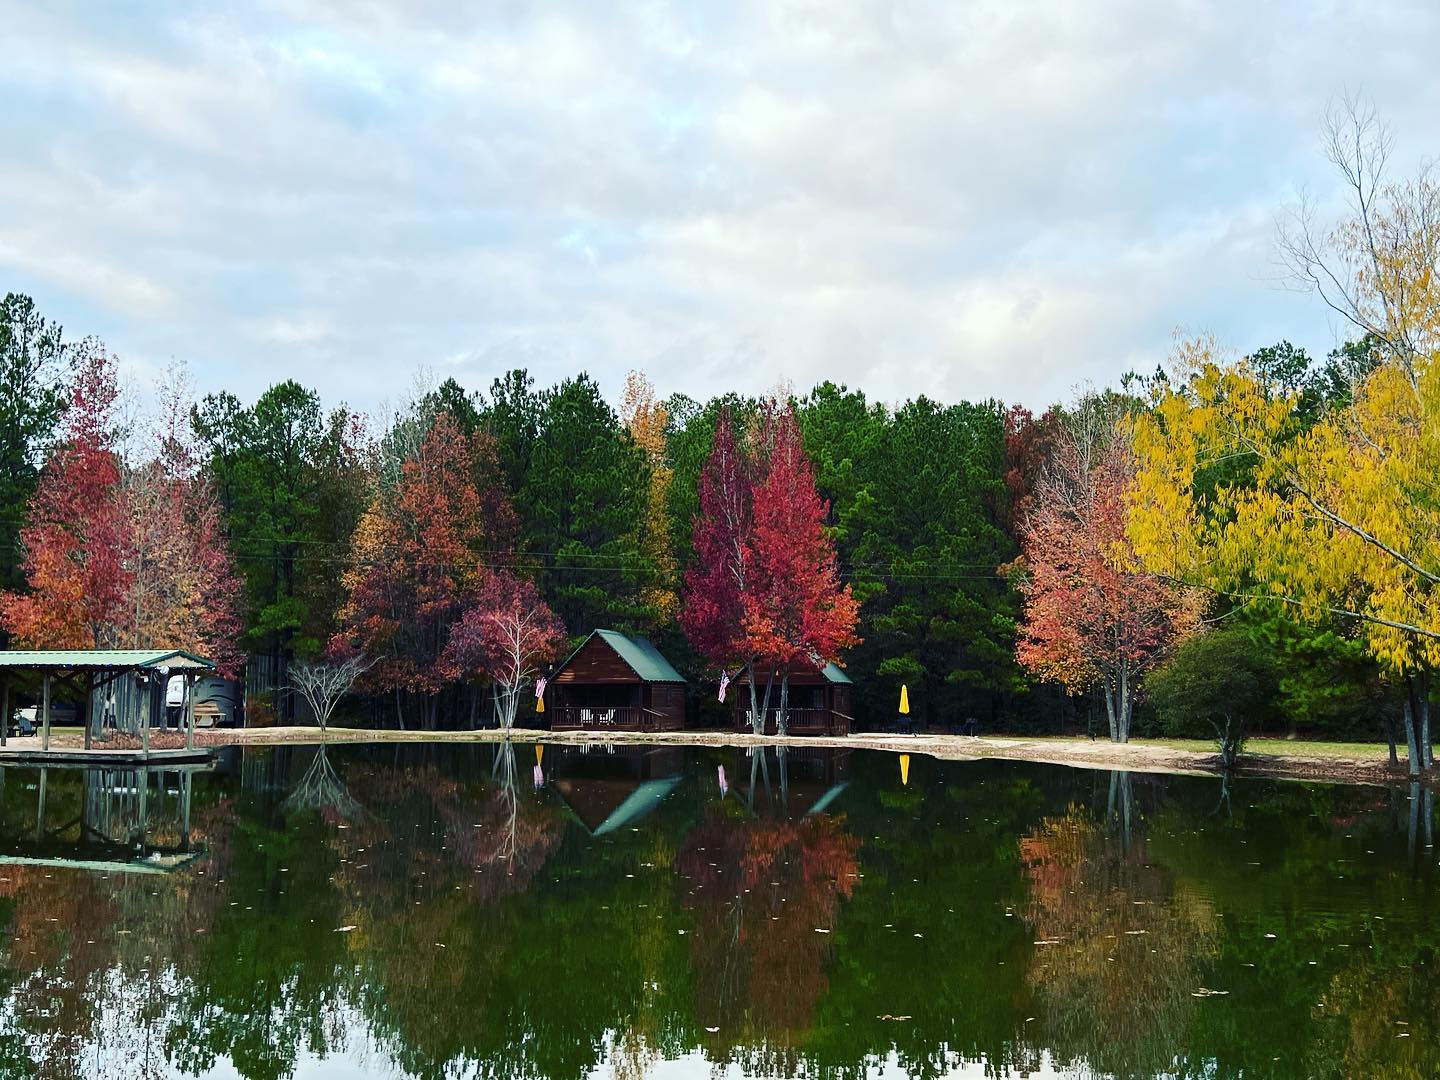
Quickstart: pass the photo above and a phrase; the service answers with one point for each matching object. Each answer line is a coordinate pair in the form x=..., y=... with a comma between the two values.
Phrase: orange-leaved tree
x=1093, y=615
x=74, y=537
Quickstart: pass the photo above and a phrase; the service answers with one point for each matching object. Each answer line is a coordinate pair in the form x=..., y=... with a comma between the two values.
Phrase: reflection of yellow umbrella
x=539, y=753
x=904, y=769
x=904, y=700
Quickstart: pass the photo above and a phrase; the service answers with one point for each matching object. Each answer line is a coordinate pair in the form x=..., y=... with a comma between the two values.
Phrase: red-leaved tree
x=74, y=536
x=764, y=590
x=1093, y=615
x=121, y=555
x=507, y=634
x=797, y=612
x=717, y=582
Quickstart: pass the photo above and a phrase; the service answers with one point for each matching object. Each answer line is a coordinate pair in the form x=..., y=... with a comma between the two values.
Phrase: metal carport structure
x=97, y=667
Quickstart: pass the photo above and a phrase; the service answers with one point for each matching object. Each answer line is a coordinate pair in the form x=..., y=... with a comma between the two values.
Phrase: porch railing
x=603, y=718
x=826, y=720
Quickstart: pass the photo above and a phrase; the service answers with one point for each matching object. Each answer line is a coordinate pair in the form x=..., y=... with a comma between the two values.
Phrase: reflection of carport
x=86, y=670
x=116, y=826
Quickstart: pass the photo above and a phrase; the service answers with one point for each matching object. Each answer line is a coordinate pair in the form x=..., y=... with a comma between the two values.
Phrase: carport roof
x=102, y=660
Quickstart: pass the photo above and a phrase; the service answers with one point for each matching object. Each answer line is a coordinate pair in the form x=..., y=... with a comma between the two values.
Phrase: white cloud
x=1003, y=198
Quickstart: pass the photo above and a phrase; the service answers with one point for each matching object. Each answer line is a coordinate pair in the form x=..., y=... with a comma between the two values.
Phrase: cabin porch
x=818, y=703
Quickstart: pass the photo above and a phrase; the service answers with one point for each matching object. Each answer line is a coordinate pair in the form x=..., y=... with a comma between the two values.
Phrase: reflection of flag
x=724, y=682
x=540, y=687
x=724, y=786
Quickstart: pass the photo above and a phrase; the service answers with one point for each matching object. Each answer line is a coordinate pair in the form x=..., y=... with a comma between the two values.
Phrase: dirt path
x=1367, y=765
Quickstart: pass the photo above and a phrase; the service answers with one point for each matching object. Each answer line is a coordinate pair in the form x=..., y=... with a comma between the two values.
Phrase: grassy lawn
x=1305, y=748
x=1352, y=751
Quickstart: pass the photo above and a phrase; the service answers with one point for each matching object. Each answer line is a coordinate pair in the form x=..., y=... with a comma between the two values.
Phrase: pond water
x=455, y=911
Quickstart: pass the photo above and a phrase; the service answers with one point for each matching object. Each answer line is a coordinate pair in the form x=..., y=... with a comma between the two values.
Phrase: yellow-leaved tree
x=645, y=419
x=1338, y=517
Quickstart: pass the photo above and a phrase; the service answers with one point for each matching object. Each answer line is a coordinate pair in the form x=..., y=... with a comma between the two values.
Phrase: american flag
x=540, y=687
x=724, y=682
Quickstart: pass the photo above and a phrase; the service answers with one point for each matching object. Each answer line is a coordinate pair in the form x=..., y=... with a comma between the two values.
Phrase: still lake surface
x=458, y=911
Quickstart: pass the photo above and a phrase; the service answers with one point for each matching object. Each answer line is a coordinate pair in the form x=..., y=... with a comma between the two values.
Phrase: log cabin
x=819, y=701
x=616, y=682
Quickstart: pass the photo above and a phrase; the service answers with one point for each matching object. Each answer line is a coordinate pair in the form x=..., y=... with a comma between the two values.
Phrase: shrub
x=1216, y=684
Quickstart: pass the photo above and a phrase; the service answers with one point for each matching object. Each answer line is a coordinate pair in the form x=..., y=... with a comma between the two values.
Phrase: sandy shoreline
x=1367, y=765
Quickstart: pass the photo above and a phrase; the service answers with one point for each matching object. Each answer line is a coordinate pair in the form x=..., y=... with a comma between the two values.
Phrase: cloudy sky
x=967, y=198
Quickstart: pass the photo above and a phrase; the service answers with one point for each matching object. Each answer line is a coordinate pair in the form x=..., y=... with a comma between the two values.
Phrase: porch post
x=45, y=712
x=142, y=781
x=148, y=703
x=89, y=710
x=40, y=806
x=186, y=777
x=189, y=711
x=5, y=715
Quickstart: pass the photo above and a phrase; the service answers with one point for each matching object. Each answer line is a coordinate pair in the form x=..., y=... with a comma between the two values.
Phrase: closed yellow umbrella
x=904, y=770
x=904, y=700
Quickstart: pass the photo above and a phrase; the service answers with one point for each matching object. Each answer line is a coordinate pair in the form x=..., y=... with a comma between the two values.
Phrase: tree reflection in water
x=822, y=920
x=320, y=789
x=1120, y=949
x=764, y=889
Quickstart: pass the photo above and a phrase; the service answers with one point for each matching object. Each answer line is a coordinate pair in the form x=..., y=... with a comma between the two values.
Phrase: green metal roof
x=100, y=659
x=834, y=673
x=640, y=802
x=642, y=657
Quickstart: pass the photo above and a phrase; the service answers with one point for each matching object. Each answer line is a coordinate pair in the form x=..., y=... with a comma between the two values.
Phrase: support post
x=142, y=781
x=148, y=703
x=45, y=712
x=5, y=714
x=89, y=710
x=40, y=807
x=186, y=777
x=189, y=711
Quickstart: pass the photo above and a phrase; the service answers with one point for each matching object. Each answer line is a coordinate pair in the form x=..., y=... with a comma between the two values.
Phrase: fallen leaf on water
x=344, y=929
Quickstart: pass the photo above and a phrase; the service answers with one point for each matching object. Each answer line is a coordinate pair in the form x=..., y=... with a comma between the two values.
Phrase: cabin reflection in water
x=788, y=781
x=134, y=820
x=610, y=787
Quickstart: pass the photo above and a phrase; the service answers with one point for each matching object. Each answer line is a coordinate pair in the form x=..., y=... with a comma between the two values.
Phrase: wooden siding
x=586, y=695
x=597, y=662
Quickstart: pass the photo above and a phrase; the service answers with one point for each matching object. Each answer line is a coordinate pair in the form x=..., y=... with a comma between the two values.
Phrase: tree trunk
x=399, y=710
x=1422, y=709
x=765, y=705
x=1110, y=710
x=757, y=718
x=1412, y=746
x=1390, y=738
x=1122, y=721
x=782, y=720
